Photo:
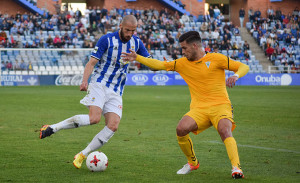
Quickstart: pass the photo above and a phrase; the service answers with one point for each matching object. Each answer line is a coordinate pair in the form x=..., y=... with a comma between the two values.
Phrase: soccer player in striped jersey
x=210, y=104
x=104, y=92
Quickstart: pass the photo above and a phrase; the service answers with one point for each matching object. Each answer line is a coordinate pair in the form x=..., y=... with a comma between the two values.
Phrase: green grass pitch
x=145, y=148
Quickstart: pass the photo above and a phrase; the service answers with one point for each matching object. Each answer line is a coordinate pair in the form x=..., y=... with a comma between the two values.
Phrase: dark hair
x=189, y=37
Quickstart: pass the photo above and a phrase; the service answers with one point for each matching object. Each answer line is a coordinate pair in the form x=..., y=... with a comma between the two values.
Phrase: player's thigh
x=114, y=103
x=112, y=120
x=95, y=96
x=95, y=114
x=200, y=116
x=219, y=112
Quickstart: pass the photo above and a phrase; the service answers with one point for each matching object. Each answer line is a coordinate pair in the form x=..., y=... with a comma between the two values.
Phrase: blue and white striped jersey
x=111, y=70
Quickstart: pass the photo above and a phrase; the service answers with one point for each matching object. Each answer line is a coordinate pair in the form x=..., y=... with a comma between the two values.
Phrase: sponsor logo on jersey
x=207, y=64
x=95, y=49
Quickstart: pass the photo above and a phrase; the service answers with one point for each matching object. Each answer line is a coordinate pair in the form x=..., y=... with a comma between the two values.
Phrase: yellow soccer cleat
x=78, y=160
x=237, y=173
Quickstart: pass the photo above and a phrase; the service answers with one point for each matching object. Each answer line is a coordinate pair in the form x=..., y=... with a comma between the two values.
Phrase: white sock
x=99, y=140
x=72, y=122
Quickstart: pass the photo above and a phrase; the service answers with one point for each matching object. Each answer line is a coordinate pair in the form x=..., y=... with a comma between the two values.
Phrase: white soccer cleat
x=187, y=168
x=237, y=173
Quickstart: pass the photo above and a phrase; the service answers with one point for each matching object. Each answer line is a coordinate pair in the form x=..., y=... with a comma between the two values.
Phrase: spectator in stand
x=229, y=46
x=3, y=67
x=16, y=66
x=236, y=31
x=29, y=66
x=185, y=18
x=257, y=14
x=269, y=51
x=23, y=65
x=14, y=30
x=49, y=41
x=284, y=59
x=211, y=13
x=246, y=46
x=278, y=14
x=235, y=46
x=215, y=34
x=207, y=49
x=216, y=49
x=8, y=66
x=263, y=41
x=57, y=42
x=246, y=55
x=290, y=50
x=288, y=39
x=242, y=16
x=234, y=55
x=251, y=14
x=241, y=55
x=216, y=12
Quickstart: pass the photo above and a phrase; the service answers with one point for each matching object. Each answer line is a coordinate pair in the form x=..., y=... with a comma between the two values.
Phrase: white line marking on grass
x=257, y=147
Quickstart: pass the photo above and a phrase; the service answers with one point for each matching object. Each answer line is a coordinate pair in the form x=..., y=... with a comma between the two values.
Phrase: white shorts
x=103, y=97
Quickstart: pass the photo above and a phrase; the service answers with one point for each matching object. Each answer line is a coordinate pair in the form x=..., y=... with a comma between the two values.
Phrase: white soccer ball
x=97, y=161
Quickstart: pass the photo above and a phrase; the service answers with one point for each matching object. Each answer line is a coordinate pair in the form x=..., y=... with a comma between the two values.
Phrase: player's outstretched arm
x=152, y=63
x=89, y=67
x=242, y=71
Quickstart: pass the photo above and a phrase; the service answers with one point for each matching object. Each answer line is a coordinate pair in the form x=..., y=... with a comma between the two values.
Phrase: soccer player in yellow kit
x=210, y=104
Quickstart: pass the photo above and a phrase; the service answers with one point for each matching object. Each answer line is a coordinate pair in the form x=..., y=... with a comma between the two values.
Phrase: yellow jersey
x=205, y=78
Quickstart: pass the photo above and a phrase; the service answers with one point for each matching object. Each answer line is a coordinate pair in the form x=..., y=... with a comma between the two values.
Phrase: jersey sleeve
x=228, y=63
x=170, y=65
x=100, y=48
x=141, y=49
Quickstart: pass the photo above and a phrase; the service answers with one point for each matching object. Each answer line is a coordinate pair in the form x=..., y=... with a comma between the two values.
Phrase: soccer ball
x=97, y=161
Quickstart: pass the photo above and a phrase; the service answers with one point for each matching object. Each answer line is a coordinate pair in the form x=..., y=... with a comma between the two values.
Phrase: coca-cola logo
x=73, y=80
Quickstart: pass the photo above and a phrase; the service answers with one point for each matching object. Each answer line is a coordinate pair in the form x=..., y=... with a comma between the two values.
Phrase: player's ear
x=120, y=26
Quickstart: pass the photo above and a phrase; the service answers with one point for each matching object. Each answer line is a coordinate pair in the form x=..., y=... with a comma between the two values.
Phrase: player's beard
x=123, y=38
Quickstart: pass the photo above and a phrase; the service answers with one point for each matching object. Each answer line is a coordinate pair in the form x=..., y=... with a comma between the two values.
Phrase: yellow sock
x=186, y=146
x=232, y=151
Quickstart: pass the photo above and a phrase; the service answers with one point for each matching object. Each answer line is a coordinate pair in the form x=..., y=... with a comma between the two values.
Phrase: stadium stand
x=279, y=37
x=159, y=31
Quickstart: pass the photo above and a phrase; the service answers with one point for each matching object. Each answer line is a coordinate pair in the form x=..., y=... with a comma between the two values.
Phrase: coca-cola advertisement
x=71, y=80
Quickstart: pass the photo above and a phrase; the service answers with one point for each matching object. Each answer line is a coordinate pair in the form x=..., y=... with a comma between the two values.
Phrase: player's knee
x=180, y=131
x=224, y=133
x=113, y=126
x=95, y=120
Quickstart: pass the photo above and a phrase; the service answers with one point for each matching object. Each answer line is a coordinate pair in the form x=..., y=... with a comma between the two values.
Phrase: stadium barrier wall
x=146, y=79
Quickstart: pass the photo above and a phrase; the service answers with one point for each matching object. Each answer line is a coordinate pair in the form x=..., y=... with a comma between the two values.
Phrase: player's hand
x=84, y=86
x=231, y=81
x=129, y=57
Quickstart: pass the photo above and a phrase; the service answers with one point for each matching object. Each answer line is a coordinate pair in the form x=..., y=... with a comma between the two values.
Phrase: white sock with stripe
x=99, y=140
x=72, y=122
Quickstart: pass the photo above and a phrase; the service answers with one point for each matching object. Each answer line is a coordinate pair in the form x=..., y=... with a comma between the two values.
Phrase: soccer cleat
x=237, y=173
x=78, y=160
x=45, y=131
x=187, y=168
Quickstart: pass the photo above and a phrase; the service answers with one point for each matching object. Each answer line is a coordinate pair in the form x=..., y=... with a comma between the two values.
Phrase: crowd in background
x=277, y=34
x=158, y=29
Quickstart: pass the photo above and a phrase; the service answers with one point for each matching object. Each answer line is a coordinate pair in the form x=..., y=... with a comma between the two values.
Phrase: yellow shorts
x=206, y=117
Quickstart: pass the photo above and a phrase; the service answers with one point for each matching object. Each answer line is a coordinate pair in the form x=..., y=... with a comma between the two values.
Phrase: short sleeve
x=141, y=49
x=100, y=47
